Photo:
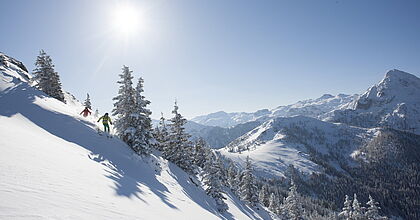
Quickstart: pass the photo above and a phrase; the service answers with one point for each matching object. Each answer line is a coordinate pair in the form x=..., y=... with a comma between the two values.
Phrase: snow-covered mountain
x=310, y=108
x=225, y=120
x=393, y=102
x=54, y=165
x=218, y=137
x=284, y=141
x=369, y=144
x=220, y=128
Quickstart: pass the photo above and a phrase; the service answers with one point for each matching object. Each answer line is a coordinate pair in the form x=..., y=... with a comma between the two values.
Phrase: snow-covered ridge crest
x=310, y=108
x=284, y=141
x=12, y=72
x=13, y=67
x=393, y=102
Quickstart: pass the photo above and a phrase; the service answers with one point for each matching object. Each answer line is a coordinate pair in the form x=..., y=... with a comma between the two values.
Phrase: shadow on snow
x=111, y=153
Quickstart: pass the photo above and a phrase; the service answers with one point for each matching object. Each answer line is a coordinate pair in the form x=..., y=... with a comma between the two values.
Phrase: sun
x=126, y=19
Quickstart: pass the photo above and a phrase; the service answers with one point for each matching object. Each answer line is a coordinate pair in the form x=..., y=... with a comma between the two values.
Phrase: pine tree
x=213, y=180
x=372, y=212
x=142, y=122
x=291, y=208
x=347, y=209
x=179, y=149
x=46, y=78
x=87, y=102
x=248, y=189
x=162, y=135
x=124, y=107
x=357, y=213
x=263, y=196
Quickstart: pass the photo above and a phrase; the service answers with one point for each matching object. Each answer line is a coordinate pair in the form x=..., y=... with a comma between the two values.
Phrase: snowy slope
x=393, y=102
x=310, y=108
x=11, y=72
x=54, y=165
x=218, y=137
x=284, y=141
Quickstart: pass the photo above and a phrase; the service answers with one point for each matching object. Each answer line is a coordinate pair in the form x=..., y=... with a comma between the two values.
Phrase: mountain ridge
x=309, y=107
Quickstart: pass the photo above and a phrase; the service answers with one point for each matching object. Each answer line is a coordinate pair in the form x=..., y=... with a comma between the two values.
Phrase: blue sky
x=220, y=54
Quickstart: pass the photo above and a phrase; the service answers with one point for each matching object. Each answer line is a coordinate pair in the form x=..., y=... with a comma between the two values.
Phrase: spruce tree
x=238, y=180
x=291, y=208
x=372, y=212
x=161, y=135
x=46, y=78
x=213, y=180
x=179, y=149
x=345, y=214
x=222, y=168
x=142, y=122
x=231, y=177
x=248, y=189
x=200, y=152
x=124, y=107
x=87, y=102
x=263, y=196
x=357, y=213
x=273, y=203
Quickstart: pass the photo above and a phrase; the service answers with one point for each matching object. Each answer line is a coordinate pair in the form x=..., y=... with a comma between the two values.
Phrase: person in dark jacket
x=105, y=119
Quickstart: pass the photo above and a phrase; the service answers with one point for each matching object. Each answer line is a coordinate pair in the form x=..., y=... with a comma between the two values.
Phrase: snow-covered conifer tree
x=200, y=152
x=124, y=107
x=273, y=203
x=222, y=168
x=263, y=196
x=248, y=189
x=87, y=102
x=142, y=122
x=231, y=177
x=291, y=208
x=161, y=135
x=357, y=213
x=347, y=210
x=213, y=180
x=46, y=78
x=179, y=149
x=238, y=180
x=372, y=212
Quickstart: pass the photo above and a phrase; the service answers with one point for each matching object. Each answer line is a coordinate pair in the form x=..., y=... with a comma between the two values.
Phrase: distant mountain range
x=310, y=108
x=369, y=143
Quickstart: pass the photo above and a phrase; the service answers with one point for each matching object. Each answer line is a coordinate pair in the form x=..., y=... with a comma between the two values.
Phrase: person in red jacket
x=86, y=112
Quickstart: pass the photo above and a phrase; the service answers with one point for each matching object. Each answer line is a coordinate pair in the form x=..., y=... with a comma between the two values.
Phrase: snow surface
x=218, y=137
x=394, y=102
x=284, y=141
x=54, y=165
